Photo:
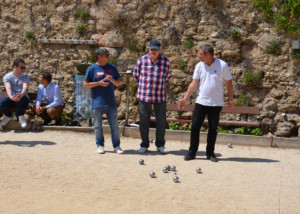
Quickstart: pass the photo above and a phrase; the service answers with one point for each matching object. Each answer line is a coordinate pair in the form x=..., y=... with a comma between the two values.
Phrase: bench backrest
x=225, y=109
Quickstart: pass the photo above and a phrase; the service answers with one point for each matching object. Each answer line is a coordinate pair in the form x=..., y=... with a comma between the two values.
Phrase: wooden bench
x=32, y=98
x=242, y=110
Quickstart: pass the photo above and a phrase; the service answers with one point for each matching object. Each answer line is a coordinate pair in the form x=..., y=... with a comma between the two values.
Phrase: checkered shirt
x=152, y=78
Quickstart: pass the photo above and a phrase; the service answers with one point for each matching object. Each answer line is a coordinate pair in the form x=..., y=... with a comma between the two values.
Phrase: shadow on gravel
x=28, y=143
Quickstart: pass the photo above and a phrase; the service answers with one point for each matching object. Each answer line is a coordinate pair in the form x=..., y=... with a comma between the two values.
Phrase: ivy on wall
x=286, y=13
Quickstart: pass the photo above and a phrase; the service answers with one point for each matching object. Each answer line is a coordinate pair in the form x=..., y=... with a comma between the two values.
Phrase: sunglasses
x=22, y=67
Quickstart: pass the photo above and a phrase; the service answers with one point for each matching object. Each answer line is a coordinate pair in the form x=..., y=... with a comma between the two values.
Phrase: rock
x=284, y=129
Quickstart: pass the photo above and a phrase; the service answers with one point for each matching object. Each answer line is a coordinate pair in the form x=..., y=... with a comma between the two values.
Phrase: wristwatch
x=231, y=101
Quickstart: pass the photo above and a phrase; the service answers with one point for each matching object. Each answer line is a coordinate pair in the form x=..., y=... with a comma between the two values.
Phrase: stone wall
x=126, y=27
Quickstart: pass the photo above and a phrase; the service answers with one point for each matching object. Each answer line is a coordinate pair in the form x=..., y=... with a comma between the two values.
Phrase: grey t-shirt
x=16, y=83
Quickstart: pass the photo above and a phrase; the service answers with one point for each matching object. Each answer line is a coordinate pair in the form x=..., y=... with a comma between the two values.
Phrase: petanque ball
x=229, y=145
x=165, y=170
x=175, y=179
x=198, y=170
x=141, y=161
x=152, y=174
x=168, y=167
x=173, y=168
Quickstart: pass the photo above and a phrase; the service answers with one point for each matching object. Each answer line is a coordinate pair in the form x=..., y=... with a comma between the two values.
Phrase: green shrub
x=249, y=131
x=188, y=44
x=243, y=100
x=182, y=64
x=296, y=54
x=234, y=32
x=112, y=60
x=82, y=13
x=29, y=36
x=187, y=127
x=286, y=14
x=92, y=57
x=81, y=28
x=133, y=89
x=133, y=46
x=273, y=48
x=174, y=125
x=251, y=78
x=224, y=131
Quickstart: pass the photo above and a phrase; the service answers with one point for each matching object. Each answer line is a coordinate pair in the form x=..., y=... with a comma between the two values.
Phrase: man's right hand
x=181, y=103
x=39, y=109
x=103, y=83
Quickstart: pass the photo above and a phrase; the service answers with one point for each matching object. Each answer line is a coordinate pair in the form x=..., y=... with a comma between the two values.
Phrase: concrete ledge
x=281, y=142
x=244, y=140
x=184, y=136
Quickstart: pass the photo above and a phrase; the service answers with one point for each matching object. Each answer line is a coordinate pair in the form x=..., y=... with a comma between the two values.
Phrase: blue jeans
x=160, y=116
x=112, y=116
x=6, y=104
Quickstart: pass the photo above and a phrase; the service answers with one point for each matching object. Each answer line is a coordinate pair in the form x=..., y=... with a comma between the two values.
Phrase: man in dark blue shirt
x=102, y=77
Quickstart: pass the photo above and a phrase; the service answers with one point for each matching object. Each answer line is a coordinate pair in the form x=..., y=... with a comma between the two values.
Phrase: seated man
x=51, y=93
x=16, y=84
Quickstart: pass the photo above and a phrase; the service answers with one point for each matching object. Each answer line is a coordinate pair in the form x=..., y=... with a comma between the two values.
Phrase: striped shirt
x=152, y=78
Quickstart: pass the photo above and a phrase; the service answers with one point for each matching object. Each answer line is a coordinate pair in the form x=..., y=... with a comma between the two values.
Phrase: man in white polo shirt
x=209, y=77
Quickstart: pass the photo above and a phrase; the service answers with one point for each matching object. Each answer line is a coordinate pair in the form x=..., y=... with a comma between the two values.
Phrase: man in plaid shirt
x=152, y=73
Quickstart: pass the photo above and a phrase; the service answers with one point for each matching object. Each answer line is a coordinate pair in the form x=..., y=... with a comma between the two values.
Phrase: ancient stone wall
x=236, y=29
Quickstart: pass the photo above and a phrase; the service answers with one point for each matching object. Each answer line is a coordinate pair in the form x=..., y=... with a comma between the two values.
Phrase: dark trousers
x=160, y=116
x=213, y=116
x=6, y=104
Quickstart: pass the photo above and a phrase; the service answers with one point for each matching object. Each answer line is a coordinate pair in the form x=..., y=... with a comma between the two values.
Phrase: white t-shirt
x=211, y=85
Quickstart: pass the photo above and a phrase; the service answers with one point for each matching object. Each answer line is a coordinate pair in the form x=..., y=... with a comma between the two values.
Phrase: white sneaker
x=162, y=150
x=22, y=121
x=100, y=149
x=119, y=150
x=5, y=121
x=142, y=150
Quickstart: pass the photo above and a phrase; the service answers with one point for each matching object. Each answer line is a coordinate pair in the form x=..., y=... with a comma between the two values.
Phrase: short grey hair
x=207, y=49
x=100, y=51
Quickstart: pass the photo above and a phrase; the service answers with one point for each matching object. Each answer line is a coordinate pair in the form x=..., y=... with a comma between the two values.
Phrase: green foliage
x=224, y=131
x=133, y=89
x=92, y=57
x=65, y=118
x=188, y=44
x=296, y=54
x=249, y=131
x=174, y=125
x=81, y=28
x=182, y=64
x=187, y=127
x=234, y=32
x=251, y=78
x=273, y=48
x=133, y=46
x=286, y=13
x=112, y=60
x=82, y=13
x=243, y=100
x=29, y=36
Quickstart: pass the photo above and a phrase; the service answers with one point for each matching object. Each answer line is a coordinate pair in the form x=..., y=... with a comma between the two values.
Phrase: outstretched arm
x=191, y=89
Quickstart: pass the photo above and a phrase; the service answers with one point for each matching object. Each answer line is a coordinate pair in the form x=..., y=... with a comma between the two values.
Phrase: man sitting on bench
x=16, y=84
x=51, y=93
